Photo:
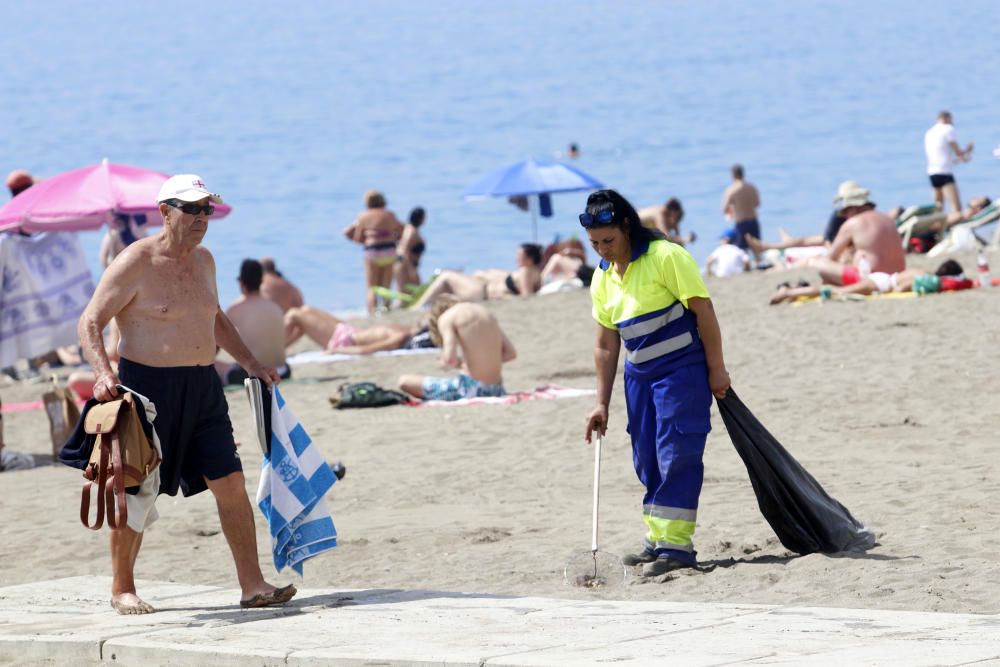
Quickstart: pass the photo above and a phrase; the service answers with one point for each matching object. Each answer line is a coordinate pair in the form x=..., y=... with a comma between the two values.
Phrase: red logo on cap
x=198, y=184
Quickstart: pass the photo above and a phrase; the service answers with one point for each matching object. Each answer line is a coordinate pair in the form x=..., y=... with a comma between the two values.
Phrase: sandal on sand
x=277, y=596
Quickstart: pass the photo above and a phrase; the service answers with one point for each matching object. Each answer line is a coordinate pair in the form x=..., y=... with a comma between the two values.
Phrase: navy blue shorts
x=941, y=180
x=192, y=422
x=751, y=227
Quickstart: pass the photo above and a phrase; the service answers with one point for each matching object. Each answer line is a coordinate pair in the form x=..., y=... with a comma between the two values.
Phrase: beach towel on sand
x=544, y=392
x=46, y=285
x=804, y=517
x=293, y=481
x=324, y=357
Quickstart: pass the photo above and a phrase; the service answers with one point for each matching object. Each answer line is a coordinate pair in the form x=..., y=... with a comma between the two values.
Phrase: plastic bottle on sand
x=983, y=269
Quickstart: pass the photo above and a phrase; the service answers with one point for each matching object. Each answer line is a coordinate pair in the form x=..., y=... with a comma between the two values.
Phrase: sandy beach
x=889, y=403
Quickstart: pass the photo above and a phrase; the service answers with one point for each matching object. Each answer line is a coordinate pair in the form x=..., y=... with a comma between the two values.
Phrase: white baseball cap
x=186, y=187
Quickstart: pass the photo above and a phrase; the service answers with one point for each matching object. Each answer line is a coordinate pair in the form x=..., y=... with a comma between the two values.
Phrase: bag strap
x=114, y=488
x=94, y=478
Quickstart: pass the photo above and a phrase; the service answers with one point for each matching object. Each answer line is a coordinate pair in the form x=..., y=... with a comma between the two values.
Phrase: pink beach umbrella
x=87, y=198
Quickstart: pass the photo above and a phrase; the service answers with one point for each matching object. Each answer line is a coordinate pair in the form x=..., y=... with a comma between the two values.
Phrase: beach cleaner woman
x=649, y=295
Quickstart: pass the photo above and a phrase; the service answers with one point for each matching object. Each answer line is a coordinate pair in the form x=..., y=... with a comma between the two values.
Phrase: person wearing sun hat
x=161, y=292
x=866, y=243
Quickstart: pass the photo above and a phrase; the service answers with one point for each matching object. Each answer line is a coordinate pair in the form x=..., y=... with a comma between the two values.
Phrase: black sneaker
x=639, y=558
x=662, y=565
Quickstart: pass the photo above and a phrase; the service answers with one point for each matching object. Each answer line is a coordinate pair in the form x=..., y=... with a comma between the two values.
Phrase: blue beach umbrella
x=532, y=177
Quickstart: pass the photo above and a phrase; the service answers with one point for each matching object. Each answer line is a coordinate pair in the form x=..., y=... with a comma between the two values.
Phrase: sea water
x=293, y=110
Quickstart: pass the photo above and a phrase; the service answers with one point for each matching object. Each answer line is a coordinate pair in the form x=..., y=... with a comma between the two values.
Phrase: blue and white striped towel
x=293, y=481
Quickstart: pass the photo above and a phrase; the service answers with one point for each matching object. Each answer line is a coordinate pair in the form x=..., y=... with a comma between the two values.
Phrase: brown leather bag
x=63, y=413
x=122, y=458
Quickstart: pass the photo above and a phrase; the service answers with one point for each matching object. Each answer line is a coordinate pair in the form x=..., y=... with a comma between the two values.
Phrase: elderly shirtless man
x=469, y=329
x=161, y=292
x=866, y=243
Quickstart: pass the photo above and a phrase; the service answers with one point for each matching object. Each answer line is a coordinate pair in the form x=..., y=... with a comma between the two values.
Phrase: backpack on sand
x=366, y=395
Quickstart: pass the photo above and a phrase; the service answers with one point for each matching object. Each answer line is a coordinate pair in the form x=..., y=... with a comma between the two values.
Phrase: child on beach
x=728, y=259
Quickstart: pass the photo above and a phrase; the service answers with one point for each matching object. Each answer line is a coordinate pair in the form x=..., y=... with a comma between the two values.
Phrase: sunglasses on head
x=189, y=207
x=602, y=218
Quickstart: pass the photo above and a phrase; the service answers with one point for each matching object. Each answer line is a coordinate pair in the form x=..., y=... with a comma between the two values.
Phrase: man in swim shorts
x=741, y=201
x=470, y=339
x=161, y=292
x=943, y=152
x=866, y=243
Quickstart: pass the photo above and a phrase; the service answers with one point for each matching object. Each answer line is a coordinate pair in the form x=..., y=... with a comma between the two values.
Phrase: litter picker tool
x=595, y=568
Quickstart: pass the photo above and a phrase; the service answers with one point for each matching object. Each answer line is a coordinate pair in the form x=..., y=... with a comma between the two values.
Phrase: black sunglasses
x=190, y=208
x=602, y=218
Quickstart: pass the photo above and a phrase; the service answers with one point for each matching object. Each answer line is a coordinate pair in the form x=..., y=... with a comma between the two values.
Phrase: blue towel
x=293, y=481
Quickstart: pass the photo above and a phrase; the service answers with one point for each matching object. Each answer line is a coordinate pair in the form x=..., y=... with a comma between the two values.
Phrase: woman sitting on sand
x=378, y=230
x=338, y=336
x=409, y=250
x=948, y=277
x=492, y=283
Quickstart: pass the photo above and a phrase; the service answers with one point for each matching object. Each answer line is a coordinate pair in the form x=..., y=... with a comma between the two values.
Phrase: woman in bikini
x=411, y=246
x=378, y=230
x=491, y=284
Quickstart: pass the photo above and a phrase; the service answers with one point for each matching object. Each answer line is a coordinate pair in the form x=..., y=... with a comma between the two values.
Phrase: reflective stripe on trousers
x=669, y=422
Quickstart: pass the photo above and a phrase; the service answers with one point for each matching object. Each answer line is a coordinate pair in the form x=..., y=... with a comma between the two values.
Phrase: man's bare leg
x=939, y=198
x=236, y=517
x=315, y=323
x=125, y=544
x=951, y=195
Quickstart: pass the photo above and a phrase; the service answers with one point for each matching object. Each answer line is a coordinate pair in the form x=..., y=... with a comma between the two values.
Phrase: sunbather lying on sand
x=948, y=277
x=491, y=283
x=338, y=336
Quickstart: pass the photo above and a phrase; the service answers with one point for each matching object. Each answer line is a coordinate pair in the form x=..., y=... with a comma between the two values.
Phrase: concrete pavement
x=69, y=621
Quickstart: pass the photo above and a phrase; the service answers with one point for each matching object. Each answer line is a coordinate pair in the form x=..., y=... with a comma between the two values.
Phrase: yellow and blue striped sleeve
x=599, y=295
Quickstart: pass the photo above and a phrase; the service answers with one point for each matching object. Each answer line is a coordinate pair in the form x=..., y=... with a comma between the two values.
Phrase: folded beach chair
x=917, y=221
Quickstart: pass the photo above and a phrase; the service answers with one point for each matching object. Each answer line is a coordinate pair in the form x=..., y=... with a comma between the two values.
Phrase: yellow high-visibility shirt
x=658, y=275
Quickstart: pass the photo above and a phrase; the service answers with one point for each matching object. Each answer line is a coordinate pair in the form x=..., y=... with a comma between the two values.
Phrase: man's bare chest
x=172, y=292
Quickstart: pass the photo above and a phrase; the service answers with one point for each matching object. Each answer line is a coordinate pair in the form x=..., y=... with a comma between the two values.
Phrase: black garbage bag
x=804, y=517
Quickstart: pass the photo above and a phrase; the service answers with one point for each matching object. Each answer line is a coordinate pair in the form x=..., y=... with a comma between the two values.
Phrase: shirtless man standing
x=866, y=243
x=277, y=288
x=741, y=201
x=472, y=330
x=161, y=292
x=260, y=324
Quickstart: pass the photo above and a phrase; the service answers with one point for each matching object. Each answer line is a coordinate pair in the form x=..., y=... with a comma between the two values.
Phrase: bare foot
x=270, y=596
x=129, y=603
x=785, y=236
x=780, y=296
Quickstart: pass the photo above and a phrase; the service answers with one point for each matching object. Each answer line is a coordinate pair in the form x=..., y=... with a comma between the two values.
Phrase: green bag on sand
x=366, y=395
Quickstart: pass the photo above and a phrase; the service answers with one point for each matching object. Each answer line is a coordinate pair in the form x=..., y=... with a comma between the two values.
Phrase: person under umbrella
x=649, y=294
